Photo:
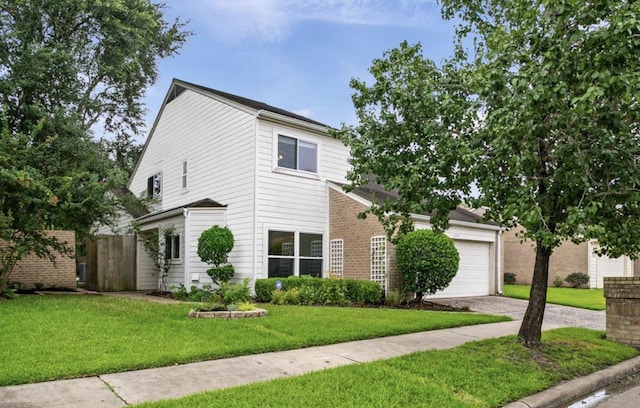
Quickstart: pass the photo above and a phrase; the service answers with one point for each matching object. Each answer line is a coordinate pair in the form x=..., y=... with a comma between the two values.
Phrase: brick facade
x=356, y=234
x=623, y=310
x=519, y=258
x=31, y=269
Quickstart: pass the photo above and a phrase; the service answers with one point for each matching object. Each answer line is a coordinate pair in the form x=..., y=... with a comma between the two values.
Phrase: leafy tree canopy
x=540, y=113
x=69, y=67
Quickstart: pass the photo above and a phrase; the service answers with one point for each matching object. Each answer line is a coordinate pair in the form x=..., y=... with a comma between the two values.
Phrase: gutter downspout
x=187, y=244
x=499, y=263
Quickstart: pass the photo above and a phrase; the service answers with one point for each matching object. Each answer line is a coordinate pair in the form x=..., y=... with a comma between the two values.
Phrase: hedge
x=322, y=290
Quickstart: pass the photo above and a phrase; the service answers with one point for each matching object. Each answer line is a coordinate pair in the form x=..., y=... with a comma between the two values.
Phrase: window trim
x=296, y=257
x=151, y=186
x=184, y=180
x=298, y=138
x=171, y=240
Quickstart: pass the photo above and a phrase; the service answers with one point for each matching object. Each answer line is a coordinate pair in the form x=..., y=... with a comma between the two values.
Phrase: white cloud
x=271, y=20
x=306, y=112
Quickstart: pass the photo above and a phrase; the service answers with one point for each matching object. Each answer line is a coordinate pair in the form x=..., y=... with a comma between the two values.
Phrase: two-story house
x=273, y=177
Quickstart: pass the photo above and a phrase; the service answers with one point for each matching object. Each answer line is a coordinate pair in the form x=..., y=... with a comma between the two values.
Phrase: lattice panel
x=379, y=260
x=336, y=257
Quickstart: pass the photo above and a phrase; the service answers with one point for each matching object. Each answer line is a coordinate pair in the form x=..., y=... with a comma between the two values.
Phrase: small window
x=184, y=174
x=297, y=154
x=172, y=247
x=154, y=186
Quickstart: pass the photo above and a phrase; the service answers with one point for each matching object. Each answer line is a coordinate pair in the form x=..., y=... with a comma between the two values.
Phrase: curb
x=575, y=389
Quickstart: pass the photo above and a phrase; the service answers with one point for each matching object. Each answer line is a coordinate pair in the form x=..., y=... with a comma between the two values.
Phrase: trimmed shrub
x=577, y=279
x=428, y=261
x=214, y=245
x=510, y=278
x=313, y=291
x=557, y=282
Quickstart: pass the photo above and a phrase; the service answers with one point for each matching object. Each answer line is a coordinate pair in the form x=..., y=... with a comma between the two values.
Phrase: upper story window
x=297, y=154
x=154, y=186
x=184, y=175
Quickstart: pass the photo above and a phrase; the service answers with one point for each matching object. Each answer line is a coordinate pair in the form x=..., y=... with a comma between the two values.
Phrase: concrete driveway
x=515, y=308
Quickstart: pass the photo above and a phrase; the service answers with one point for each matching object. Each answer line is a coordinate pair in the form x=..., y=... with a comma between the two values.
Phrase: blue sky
x=296, y=55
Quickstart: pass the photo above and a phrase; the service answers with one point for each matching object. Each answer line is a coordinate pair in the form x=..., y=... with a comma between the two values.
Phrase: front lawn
x=487, y=373
x=583, y=298
x=53, y=337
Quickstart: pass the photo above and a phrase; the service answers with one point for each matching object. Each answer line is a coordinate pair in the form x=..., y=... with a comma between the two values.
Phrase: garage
x=603, y=266
x=473, y=275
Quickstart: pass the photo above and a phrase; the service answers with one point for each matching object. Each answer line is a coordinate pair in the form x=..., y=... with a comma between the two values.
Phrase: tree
x=155, y=244
x=67, y=68
x=428, y=261
x=214, y=245
x=542, y=118
x=28, y=205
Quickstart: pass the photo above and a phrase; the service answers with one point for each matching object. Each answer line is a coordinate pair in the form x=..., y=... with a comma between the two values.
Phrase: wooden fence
x=111, y=263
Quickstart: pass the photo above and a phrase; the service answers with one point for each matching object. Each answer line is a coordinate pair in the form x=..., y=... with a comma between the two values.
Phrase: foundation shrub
x=321, y=291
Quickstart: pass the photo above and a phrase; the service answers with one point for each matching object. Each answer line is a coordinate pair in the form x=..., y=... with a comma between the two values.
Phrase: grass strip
x=55, y=337
x=592, y=299
x=487, y=373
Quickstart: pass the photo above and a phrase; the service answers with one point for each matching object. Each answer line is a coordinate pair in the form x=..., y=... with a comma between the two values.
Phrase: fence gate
x=111, y=263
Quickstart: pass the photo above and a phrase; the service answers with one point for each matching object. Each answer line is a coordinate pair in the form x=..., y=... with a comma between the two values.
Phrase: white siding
x=145, y=271
x=289, y=200
x=200, y=220
x=218, y=142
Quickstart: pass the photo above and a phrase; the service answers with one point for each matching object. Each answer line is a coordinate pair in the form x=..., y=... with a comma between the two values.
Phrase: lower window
x=294, y=253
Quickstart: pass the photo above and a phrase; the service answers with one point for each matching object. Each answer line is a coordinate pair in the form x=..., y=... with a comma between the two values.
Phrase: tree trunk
x=531, y=328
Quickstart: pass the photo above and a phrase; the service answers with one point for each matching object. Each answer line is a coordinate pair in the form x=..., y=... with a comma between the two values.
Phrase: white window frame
x=379, y=264
x=156, y=191
x=296, y=257
x=169, y=251
x=300, y=138
x=184, y=179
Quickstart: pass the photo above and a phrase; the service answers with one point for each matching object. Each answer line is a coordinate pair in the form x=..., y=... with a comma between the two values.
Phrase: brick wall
x=356, y=234
x=32, y=269
x=623, y=310
x=519, y=258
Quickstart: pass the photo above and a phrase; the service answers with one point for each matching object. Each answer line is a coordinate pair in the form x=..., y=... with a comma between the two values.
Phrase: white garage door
x=473, y=274
x=606, y=266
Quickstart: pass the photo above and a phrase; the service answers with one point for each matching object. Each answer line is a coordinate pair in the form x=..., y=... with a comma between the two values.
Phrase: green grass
x=487, y=373
x=53, y=337
x=583, y=298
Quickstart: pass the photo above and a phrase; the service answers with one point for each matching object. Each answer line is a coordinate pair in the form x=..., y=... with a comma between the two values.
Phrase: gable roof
x=376, y=192
x=178, y=86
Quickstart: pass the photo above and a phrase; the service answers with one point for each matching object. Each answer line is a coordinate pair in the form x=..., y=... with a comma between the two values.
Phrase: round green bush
x=427, y=260
x=214, y=245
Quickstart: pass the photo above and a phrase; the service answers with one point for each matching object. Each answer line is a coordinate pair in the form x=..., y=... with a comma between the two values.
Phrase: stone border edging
x=579, y=387
x=225, y=315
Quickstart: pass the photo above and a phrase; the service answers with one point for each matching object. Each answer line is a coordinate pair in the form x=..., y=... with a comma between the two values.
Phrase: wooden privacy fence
x=111, y=263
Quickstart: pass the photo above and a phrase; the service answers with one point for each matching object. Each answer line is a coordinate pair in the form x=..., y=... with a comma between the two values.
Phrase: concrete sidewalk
x=121, y=389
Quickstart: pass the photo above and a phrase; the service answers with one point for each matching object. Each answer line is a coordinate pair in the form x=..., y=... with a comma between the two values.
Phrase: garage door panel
x=472, y=278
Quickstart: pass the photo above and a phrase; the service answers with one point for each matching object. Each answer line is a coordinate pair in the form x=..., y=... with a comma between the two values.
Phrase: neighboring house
x=273, y=178
x=519, y=257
